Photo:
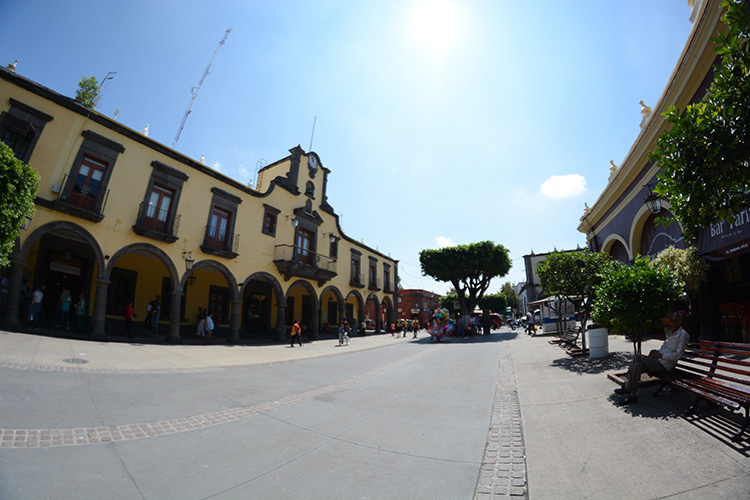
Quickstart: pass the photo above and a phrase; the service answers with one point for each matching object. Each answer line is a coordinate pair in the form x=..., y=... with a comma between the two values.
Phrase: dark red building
x=416, y=304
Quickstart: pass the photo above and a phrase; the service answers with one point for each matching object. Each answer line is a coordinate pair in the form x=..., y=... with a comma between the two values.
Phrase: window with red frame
x=157, y=212
x=218, y=229
x=88, y=181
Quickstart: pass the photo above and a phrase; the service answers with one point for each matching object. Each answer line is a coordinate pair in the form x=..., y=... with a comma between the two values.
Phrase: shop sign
x=726, y=238
x=65, y=268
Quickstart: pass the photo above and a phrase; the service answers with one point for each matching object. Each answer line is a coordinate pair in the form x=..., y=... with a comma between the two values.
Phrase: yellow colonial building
x=121, y=218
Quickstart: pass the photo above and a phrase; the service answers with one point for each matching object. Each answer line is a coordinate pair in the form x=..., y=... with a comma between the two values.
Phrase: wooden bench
x=718, y=372
x=568, y=339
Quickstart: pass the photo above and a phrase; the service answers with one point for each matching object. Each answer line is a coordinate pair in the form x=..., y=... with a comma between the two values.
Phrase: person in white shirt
x=209, y=326
x=657, y=361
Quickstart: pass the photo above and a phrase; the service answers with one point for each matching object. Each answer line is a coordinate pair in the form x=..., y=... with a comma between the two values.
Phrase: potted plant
x=632, y=300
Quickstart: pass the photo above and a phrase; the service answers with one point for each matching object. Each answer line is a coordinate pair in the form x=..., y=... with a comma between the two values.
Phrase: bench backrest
x=726, y=361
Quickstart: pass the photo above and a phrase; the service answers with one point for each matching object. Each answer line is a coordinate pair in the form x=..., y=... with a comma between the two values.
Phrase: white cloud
x=216, y=166
x=444, y=241
x=560, y=187
x=245, y=174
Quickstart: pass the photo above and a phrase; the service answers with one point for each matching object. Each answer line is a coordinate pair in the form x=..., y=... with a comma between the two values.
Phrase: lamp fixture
x=653, y=202
x=295, y=221
x=189, y=261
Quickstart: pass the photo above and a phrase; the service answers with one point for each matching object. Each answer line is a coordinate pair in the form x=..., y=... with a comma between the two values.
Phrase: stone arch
x=146, y=248
x=20, y=253
x=173, y=334
x=263, y=276
x=332, y=318
x=636, y=230
x=640, y=220
x=358, y=296
x=336, y=292
x=376, y=304
x=62, y=227
x=610, y=246
x=219, y=268
x=277, y=290
x=387, y=304
x=307, y=286
x=314, y=312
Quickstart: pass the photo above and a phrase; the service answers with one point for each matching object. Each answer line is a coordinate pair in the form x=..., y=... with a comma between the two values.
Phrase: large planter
x=598, y=342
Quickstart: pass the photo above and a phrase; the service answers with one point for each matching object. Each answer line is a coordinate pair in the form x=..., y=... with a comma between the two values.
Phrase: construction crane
x=194, y=90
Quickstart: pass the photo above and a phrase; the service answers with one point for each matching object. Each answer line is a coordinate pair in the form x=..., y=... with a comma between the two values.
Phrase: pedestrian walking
x=201, y=328
x=296, y=332
x=65, y=302
x=149, y=315
x=209, y=326
x=344, y=333
x=80, y=312
x=36, y=311
x=129, y=314
x=155, y=310
x=530, y=323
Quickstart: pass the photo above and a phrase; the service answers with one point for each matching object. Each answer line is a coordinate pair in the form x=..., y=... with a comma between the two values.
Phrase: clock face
x=312, y=161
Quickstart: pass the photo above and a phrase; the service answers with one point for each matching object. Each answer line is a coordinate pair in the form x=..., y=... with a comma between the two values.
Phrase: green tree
x=632, y=300
x=704, y=155
x=469, y=268
x=448, y=300
x=20, y=184
x=493, y=302
x=574, y=276
x=511, y=297
x=87, y=91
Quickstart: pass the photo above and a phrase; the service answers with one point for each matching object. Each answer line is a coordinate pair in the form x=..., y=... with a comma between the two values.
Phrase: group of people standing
x=205, y=324
x=404, y=326
x=34, y=303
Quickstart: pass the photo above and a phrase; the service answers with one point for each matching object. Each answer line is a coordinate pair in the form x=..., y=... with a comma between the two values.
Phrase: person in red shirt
x=129, y=314
x=297, y=332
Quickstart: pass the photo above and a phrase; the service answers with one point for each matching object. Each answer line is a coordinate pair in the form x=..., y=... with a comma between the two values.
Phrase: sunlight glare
x=435, y=24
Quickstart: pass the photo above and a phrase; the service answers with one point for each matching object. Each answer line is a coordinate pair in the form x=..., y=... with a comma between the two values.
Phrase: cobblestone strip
x=134, y=371
x=503, y=472
x=43, y=438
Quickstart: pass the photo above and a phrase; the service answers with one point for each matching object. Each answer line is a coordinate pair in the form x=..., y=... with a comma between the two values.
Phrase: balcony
x=296, y=261
x=374, y=284
x=80, y=201
x=357, y=280
x=156, y=224
x=222, y=245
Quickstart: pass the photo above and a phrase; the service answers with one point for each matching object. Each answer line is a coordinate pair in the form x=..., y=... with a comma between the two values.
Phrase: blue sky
x=441, y=121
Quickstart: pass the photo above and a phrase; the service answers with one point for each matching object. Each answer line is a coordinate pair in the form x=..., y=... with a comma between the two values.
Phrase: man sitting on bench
x=660, y=361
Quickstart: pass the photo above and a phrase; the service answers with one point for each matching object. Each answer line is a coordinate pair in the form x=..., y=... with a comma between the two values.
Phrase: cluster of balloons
x=443, y=325
x=441, y=315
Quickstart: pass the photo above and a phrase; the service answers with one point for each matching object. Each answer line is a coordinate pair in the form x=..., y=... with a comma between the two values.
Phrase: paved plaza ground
x=498, y=416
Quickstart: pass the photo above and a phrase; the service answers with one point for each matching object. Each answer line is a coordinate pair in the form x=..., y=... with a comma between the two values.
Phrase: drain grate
x=76, y=361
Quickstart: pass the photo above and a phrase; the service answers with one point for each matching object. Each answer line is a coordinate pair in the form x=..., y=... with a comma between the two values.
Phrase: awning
x=552, y=299
x=726, y=239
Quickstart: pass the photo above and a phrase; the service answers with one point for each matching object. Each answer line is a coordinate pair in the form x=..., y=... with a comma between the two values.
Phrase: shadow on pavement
x=585, y=365
x=721, y=425
x=470, y=339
